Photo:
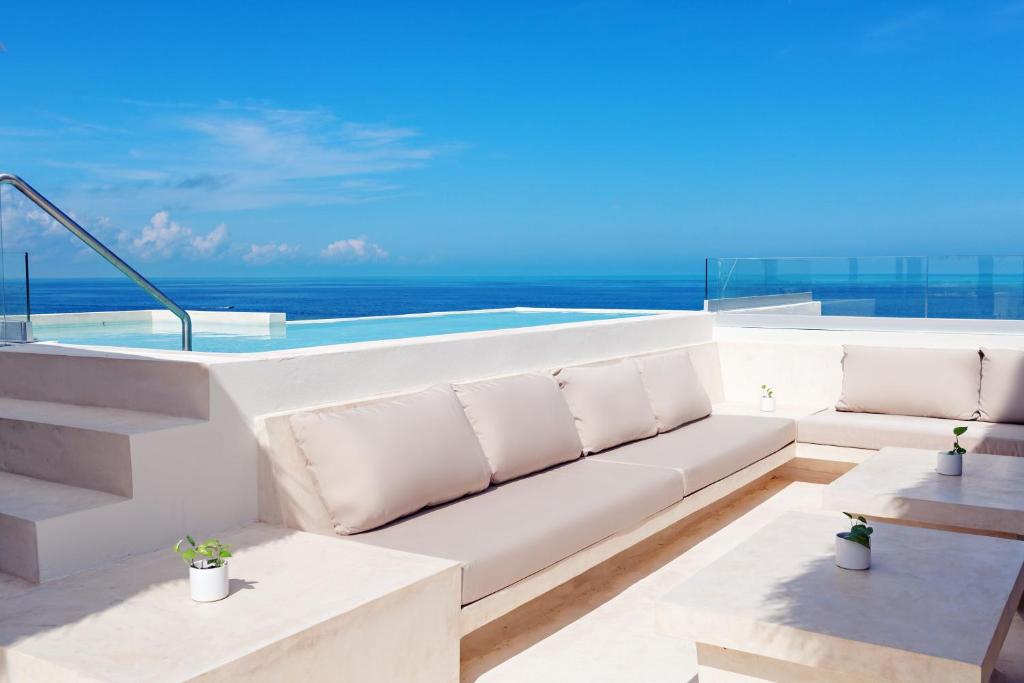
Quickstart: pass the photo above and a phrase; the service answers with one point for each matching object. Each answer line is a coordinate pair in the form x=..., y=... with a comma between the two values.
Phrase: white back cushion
x=523, y=423
x=375, y=462
x=900, y=381
x=609, y=404
x=1002, y=385
x=676, y=393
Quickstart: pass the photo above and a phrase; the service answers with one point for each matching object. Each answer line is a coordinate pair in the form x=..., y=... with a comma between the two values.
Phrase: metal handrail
x=81, y=233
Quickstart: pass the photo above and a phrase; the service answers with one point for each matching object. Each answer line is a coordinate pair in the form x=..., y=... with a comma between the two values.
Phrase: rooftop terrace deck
x=201, y=413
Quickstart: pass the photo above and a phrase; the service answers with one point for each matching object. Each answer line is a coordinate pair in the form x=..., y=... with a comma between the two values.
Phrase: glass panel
x=967, y=287
x=979, y=287
x=14, y=296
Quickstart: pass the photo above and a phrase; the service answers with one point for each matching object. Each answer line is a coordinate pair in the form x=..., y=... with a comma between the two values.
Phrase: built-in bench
x=913, y=398
x=526, y=481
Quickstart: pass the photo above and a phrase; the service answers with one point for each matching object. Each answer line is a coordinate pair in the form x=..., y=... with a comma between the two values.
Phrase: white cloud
x=163, y=238
x=205, y=246
x=354, y=249
x=29, y=228
x=259, y=254
x=235, y=156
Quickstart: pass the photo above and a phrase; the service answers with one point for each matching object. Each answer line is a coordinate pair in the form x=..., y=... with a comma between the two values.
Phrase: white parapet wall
x=201, y=320
x=804, y=366
x=285, y=380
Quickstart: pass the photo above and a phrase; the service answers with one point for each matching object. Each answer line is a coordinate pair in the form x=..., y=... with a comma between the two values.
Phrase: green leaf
x=225, y=553
x=959, y=431
x=849, y=516
x=191, y=540
x=863, y=540
x=862, y=520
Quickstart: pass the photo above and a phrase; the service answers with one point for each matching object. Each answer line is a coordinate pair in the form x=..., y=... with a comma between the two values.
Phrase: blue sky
x=535, y=138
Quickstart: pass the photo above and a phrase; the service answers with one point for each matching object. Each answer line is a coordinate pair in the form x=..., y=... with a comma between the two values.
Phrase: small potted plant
x=207, y=567
x=767, y=399
x=853, y=547
x=951, y=462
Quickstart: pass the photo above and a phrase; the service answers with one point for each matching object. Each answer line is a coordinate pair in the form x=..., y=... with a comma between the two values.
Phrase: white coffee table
x=935, y=606
x=901, y=484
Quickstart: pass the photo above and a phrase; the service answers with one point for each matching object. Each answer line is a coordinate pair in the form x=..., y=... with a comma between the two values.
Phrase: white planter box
x=767, y=404
x=850, y=554
x=951, y=464
x=208, y=585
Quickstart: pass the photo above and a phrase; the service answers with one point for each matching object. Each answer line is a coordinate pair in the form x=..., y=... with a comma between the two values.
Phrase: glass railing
x=15, y=297
x=949, y=287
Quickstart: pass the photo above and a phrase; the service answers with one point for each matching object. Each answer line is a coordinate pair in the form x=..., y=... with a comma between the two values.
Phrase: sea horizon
x=313, y=297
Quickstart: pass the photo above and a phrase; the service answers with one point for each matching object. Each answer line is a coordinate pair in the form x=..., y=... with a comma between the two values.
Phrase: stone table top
x=134, y=621
x=901, y=483
x=935, y=605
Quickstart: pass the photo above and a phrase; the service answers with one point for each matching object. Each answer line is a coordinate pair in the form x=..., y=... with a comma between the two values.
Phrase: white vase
x=208, y=585
x=949, y=463
x=850, y=554
x=767, y=404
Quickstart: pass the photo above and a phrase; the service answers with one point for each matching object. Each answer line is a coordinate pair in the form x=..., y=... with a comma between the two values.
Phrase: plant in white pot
x=853, y=547
x=767, y=399
x=951, y=462
x=207, y=567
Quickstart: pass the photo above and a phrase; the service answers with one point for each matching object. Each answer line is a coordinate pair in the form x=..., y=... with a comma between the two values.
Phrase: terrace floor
x=601, y=626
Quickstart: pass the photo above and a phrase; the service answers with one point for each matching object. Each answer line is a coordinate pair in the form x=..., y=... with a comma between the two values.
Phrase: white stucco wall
x=804, y=365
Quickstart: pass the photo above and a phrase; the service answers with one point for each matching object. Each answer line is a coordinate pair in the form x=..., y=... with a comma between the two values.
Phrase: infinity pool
x=300, y=334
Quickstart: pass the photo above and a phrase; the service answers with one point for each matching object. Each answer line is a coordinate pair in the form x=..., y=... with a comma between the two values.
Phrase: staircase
x=88, y=446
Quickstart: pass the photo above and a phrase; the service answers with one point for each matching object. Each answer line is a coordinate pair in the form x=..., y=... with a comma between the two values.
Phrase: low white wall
x=803, y=308
x=201, y=320
x=91, y=318
x=804, y=365
x=286, y=380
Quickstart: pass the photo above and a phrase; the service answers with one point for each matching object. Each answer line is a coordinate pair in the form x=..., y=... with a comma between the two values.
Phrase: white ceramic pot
x=208, y=585
x=949, y=463
x=767, y=404
x=850, y=554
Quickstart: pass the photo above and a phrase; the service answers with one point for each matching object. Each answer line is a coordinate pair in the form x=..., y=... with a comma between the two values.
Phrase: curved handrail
x=100, y=248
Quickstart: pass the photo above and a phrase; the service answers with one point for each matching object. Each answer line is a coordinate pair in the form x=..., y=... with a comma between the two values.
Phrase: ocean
x=311, y=298
x=307, y=299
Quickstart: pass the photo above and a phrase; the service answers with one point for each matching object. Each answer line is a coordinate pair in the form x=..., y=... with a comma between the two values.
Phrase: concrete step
x=178, y=385
x=41, y=525
x=83, y=446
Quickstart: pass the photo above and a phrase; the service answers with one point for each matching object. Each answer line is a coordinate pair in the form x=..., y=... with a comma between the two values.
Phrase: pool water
x=301, y=334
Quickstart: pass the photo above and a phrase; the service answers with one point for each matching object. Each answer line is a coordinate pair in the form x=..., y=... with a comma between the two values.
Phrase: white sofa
x=913, y=398
x=537, y=478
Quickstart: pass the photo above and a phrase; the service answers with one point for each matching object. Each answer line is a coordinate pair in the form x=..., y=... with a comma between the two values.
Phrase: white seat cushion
x=1002, y=385
x=517, y=529
x=900, y=381
x=710, y=449
x=609, y=404
x=676, y=393
x=874, y=432
x=377, y=461
x=522, y=422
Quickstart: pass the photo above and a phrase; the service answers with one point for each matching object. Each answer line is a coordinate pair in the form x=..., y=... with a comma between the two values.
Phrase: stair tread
x=36, y=500
x=115, y=420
